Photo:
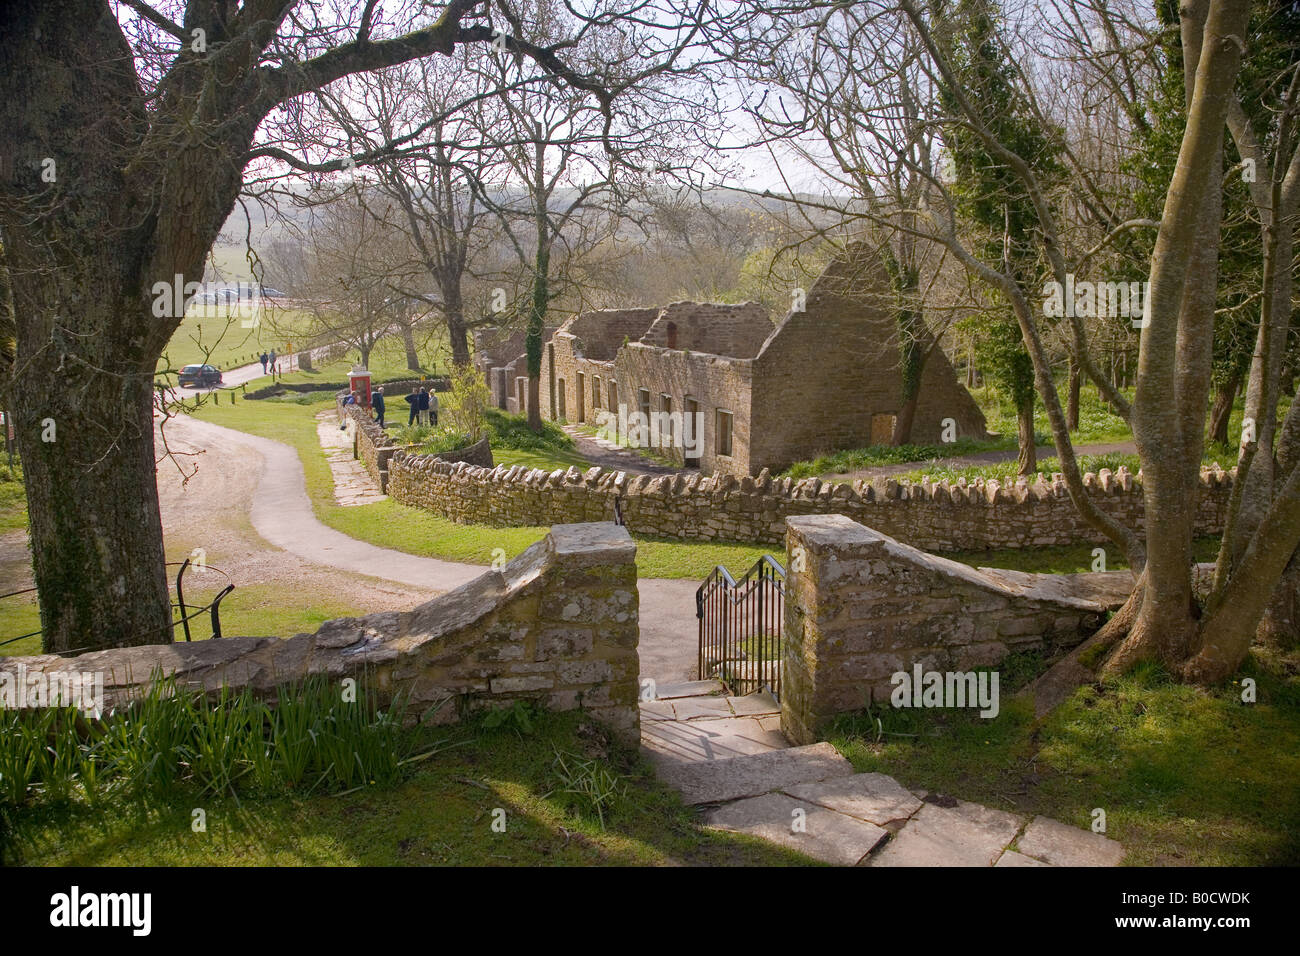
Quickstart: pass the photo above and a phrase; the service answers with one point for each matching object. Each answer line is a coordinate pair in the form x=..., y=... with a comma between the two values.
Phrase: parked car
x=199, y=376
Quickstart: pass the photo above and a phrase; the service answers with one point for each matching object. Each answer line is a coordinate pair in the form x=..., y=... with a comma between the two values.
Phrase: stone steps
x=727, y=756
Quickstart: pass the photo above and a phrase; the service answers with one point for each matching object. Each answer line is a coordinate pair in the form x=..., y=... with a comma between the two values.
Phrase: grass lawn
x=393, y=525
x=13, y=497
x=256, y=610
x=441, y=814
x=1097, y=423
x=387, y=362
x=1186, y=776
x=214, y=335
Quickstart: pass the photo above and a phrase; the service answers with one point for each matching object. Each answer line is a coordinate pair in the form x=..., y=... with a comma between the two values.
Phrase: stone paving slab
x=697, y=708
x=657, y=710
x=1060, y=844
x=965, y=835
x=873, y=797
x=717, y=781
x=709, y=739
x=690, y=688
x=754, y=705
x=816, y=831
x=353, y=485
x=1012, y=858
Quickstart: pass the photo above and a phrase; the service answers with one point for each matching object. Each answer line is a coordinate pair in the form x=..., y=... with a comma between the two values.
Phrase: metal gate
x=740, y=627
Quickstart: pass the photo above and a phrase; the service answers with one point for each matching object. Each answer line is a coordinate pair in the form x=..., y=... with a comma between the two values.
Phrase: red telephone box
x=359, y=383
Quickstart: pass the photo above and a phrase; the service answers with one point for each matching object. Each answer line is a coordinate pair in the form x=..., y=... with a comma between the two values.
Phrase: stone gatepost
x=588, y=625
x=824, y=570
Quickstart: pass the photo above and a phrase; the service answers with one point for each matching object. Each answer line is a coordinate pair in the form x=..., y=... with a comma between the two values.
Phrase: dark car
x=199, y=376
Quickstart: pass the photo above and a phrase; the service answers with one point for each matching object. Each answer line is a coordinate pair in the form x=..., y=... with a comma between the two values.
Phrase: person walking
x=415, y=399
x=377, y=403
x=424, y=405
x=262, y=358
x=432, y=410
x=271, y=359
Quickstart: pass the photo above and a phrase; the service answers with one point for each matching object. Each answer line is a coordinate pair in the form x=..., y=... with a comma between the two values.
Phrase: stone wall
x=932, y=516
x=371, y=445
x=557, y=625
x=713, y=327
x=714, y=383
x=374, y=448
x=860, y=607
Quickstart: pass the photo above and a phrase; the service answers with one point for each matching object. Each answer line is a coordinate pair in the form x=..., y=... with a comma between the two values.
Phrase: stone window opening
x=722, y=433
x=582, y=397
x=595, y=392
x=666, y=407
x=560, y=398
x=671, y=329
x=692, y=442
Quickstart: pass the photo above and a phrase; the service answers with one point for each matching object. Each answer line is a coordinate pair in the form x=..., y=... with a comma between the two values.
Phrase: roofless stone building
x=720, y=388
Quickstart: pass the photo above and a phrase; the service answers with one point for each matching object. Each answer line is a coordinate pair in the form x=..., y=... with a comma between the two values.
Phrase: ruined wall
x=586, y=345
x=826, y=378
x=828, y=369
x=865, y=606
x=713, y=381
x=735, y=330
x=557, y=625
x=496, y=349
x=931, y=516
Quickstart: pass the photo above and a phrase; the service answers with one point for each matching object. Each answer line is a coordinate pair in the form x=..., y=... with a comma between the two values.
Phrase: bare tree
x=129, y=130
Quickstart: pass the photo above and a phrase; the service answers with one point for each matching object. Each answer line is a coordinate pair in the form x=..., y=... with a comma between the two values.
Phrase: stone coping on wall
x=558, y=625
x=936, y=516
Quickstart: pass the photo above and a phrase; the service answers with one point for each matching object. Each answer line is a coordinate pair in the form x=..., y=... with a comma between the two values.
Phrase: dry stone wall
x=373, y=447
x=558, y=625
x=932, y=516
x=861, y=607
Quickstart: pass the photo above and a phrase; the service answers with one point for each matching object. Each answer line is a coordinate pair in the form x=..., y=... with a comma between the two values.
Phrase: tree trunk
x=408, y=343
x=92, y=501
x=906, y=417
x=457, y=334
x=1027, y=454
x=1281, y=624
x=537, y=314
x=1072, y=398
x=1221, y=411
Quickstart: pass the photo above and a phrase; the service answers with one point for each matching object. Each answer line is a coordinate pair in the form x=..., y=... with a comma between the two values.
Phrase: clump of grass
x=512, y=431
x=432, y=439
x=1005, y=471
x=168, y=740
x=587, y=785
x=857, y=459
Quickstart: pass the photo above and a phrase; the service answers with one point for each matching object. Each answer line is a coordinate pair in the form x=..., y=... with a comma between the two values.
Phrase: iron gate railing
x=213, y=608
x=740, y=627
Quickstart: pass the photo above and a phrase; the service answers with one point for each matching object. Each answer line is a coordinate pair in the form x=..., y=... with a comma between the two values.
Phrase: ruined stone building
x=825, y=378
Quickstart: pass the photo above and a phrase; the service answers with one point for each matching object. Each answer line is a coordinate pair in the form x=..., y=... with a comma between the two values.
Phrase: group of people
x=267, y=360
x=424, y=406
